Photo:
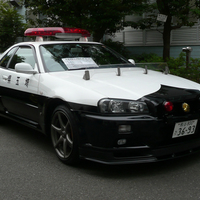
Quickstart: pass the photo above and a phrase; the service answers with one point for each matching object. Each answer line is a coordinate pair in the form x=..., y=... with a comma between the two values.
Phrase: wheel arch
x=49, y=108
x=63, y=131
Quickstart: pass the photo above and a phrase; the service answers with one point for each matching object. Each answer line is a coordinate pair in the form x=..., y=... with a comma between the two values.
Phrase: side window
x=4, y=61
x=23, y=54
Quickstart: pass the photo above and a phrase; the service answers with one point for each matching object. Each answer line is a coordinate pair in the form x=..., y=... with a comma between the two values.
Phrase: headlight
x=122, y=106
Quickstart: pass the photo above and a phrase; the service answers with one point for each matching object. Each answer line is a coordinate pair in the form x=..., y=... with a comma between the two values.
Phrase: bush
x=193, y=72
x=177, y=66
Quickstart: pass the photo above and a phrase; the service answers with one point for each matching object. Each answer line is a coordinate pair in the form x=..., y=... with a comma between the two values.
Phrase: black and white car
x=95, y=104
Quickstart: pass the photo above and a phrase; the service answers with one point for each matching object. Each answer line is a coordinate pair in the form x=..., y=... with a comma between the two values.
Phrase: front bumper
x=149, y=140
x=140, y=154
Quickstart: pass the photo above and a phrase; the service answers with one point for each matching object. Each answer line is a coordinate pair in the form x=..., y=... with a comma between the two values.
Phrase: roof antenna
x=166, y=70
x=145, y=70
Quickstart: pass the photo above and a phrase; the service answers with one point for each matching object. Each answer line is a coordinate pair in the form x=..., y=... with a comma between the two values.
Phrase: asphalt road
x=29, y=169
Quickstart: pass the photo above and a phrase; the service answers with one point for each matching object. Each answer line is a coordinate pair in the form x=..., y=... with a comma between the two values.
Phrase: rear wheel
x=64, y=135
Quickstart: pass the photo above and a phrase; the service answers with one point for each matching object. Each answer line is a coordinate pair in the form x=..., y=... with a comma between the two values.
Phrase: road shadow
x=140, y=170
x=17, y=131
x=43, y=143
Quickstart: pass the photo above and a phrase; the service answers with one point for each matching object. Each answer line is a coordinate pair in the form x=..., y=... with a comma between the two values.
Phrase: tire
x=64, y=135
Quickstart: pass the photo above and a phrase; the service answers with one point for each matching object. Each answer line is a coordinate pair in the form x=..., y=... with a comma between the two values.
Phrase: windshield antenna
x=86, y=75
x=166, y=70
x=145, y=70
x=118, y=71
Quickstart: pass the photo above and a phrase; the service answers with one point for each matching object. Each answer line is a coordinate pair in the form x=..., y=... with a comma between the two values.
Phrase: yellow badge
x=186, y=107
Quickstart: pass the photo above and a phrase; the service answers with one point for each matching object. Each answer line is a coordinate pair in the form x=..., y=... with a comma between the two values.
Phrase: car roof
x=54, y=42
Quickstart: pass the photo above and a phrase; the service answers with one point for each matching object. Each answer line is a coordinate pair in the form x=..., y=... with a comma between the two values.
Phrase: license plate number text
x=184, y=128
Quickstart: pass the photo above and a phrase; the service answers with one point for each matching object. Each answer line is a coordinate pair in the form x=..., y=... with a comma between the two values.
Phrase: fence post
x=188, y=51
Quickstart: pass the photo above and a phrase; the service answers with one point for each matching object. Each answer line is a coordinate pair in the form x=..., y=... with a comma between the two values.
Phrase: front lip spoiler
x=125, y=162
x=106, y=156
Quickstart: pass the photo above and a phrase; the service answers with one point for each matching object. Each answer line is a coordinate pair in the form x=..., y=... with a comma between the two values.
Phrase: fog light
x=124, y=129
x=121, y=141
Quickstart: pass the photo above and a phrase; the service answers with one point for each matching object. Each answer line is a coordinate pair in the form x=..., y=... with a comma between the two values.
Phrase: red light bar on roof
x=56, y=31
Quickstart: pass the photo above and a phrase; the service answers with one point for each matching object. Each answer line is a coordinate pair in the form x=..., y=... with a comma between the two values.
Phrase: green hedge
x=177, y=66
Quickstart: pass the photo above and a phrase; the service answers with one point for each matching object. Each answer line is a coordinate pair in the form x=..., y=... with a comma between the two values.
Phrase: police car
x=94, y=103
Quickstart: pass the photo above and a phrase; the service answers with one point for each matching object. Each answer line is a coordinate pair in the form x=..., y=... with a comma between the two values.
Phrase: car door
x=19, y=90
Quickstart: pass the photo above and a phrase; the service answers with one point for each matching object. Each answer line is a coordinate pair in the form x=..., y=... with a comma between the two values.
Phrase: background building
x=150, y=40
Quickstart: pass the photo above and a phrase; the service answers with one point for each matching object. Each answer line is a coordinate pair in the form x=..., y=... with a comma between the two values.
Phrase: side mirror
x=25, y=68
x=131, y=61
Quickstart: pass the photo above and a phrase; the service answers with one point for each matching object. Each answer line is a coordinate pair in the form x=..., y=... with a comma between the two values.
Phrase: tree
x=179, y=13
x=11, y=25
x=97, y=16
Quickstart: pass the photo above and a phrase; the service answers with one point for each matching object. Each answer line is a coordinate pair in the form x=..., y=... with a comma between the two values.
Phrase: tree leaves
x=11, y=25
x=99, y=17
x=179, y=13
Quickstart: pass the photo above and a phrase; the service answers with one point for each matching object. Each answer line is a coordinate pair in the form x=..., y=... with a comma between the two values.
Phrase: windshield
x=73, y=56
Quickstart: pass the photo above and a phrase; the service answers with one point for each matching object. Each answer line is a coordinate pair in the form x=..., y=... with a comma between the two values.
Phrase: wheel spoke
x=60, y=140
x=61, y=121
x=69, y=141
x=58, y=130
x=65, y=148
x=67, y=126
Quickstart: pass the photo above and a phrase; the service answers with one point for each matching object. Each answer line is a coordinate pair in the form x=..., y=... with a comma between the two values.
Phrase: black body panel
x=149, y=140
x=22, y=107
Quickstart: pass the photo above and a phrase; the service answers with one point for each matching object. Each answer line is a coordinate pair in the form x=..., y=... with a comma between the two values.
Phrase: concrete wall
x=174, y=51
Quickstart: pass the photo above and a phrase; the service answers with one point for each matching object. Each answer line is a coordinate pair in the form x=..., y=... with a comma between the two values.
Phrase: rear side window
x=4, y=61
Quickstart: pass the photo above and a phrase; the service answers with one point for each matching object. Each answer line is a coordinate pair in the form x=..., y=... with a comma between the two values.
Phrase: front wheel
x=64, y=135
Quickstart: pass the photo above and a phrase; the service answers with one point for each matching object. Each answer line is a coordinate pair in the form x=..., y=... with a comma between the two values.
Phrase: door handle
x=5, y=77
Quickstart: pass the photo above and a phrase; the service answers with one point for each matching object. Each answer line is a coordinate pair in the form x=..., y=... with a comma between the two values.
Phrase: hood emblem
x=186, y=107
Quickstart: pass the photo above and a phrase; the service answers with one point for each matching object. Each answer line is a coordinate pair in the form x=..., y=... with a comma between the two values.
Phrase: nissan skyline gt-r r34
x=94, y=103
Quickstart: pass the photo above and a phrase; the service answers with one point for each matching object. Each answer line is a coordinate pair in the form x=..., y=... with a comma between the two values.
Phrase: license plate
x=184, y=128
